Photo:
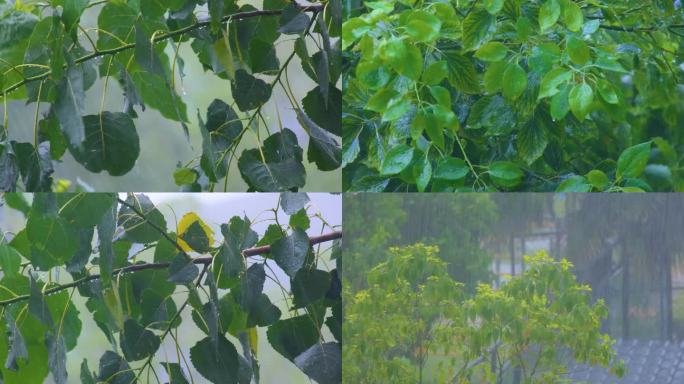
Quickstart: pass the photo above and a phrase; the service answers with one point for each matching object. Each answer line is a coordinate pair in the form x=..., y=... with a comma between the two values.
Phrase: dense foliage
x=413, y=311
x=134, y=300
x=48, y=58
x=513, y=95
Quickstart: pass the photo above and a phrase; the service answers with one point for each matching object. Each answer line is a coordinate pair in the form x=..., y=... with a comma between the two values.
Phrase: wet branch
x=206, y=260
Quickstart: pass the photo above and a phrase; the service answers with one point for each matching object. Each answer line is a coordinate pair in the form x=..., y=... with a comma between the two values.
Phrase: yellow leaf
x=253, y=340
x=184, y=224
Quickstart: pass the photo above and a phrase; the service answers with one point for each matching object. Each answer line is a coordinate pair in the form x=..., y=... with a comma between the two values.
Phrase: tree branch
x=200, y=24
x=206, y=260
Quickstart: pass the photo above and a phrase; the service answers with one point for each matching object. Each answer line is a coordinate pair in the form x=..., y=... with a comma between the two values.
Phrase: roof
x=650, y=361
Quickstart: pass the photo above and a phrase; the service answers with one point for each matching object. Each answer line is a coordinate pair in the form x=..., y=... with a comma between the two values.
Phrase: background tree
x=512, y=95
x=413, y=310
x=49, y=58
x=139, y=278
x=457, y=224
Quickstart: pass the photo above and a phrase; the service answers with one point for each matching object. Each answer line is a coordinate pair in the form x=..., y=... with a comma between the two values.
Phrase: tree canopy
x=139, y=276
x=48, y=58
x=413, y=312
x=534, y=95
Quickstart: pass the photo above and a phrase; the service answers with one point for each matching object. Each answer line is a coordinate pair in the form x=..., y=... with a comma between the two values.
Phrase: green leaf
x=552, y=80
x=175, y=373
x=549, y=13
x=291, y=337
x=248, y=91
x=10, y=260
x=433, y=129
x=218, y=365
x=165, y=249
x=273, y=233
x=86, y=376
x=493, y=113
x=477, y=28
x=462, y=74
x=114, y=369
x=293, y=202
x=137, y=342
x=221, y=130
x=598, y=179
x=403, y=56
x=572, y=16
x=441, y=95
x=423, y=173
x=309, y=286
x=182, y=269
x=283, y=169
x=493, y=6
x=578, y=50
x=435, y=72
x=140, y=230
x=215, y=14
x=293, y=20
x=105, y=234
x=300, y=220
x=505, y=174
x=252, y=285
x=574, y=184
x=533, y=139
x=70, y=105
x=184, y=176
x=17, y=347
x=145, y=55
x=53, y=241
x=580, y=99
x=111, y=144
x=633, y=160
x=543, y=57
x=422, y=26
x=514, y=81
x=560, y=105
x=262, y=56
x=322, y=362
x=262, y=312
x=290, y=252
x=327, y=117
x=72, y=12
x=56, y=357
x=493, y=77
x=397, y=159
x=380, y=100
x=157, y=94
x=85, y=209
x=607, y=91
x=451, y=169
x=323, y=149
x=492, y=51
